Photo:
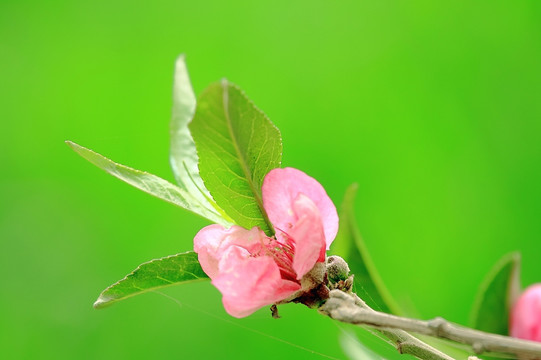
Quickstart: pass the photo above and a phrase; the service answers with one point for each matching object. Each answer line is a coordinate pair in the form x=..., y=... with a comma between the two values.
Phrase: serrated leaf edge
x=225, y=84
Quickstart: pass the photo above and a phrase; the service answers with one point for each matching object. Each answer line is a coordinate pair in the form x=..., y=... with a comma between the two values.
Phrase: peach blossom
x=252, y=270
x=526, y=315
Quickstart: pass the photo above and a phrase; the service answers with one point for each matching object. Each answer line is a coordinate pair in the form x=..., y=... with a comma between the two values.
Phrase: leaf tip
x=72, y=145
x=353, y=187
x=181, y=60
x=349, y=195
x=506, y=271
x=515, y=256
x=101, y=302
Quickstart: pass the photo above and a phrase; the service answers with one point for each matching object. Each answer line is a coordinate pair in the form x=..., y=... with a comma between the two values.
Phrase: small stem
x=351, y=309
x=340, y=305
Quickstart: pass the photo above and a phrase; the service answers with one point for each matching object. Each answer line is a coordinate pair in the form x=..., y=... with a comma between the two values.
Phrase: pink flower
x=526, y=315
x=252, y=270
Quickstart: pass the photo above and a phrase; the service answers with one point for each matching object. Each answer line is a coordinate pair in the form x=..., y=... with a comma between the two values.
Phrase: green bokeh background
x=432, y=107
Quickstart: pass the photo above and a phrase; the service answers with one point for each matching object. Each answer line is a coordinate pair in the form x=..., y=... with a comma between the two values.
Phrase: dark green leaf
x=350, y=245
x=152, y=275
x=496, y=295
x=150, y=184
x=237, y=146
x=183, y=156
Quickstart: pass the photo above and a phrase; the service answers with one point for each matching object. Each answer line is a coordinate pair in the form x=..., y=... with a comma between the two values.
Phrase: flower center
x=282, y=254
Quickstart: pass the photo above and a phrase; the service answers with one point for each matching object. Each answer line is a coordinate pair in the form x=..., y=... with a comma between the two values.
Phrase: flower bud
x=525, y=322
x=337, y=269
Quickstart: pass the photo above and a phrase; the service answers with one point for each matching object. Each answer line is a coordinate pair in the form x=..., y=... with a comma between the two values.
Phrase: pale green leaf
x=350, y=246
x=153, y=275
x=183, y=156
x=496, y=295
x=150, y=184
x=237, y=146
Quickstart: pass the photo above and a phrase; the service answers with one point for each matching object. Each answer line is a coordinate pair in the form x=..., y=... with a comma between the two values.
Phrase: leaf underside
x=183, y=155
x=237, y=146
x=150, y=184
x=152, y=275
x=496, y=295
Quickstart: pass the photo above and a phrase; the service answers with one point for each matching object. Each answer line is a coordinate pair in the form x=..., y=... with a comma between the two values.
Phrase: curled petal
x=280, y=189
x=308, y=236
x=249, y=283
x=212, y=241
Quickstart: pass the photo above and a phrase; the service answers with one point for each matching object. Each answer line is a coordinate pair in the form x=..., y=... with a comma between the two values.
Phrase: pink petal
x=282, y=186
x=308, y=236
x=249, y=283
x=526, y=315
x=211, y=242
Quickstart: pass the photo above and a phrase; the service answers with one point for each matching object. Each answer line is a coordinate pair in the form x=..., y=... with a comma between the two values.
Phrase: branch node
x=478, y=347
x=341, y=295
x=349, y=308
x=437, y=324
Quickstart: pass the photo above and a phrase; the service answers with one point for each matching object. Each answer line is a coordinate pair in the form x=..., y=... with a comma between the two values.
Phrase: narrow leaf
x=350, y=245
x=496, y=295
x=237, y=146
x=152, y=275
x=150, y=184
x=367, y=283
x=183, y=156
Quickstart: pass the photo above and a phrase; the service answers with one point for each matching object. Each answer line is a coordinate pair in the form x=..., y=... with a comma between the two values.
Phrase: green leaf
x=237, y=146
x=496, y=295
x=152, y=275
x=183, y=156
x=368, y=284
x=350, y=246
x=150, y=184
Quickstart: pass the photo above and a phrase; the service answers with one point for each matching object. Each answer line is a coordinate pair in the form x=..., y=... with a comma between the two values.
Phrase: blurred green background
x=432, y=107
